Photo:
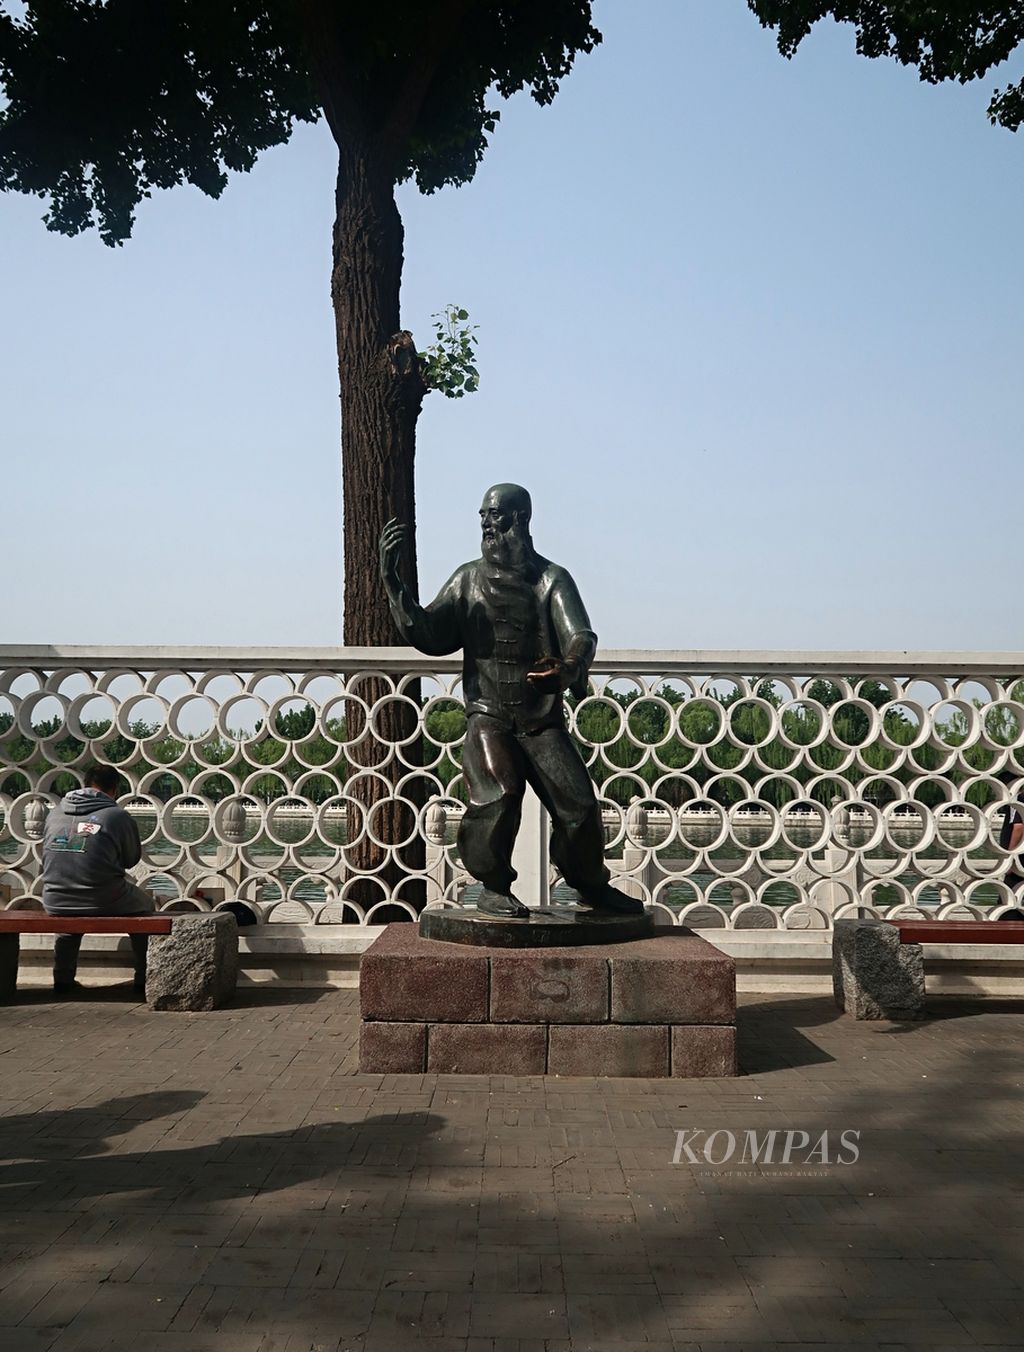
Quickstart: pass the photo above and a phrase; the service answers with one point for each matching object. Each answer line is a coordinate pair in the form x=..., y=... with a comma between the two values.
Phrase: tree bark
x=381, y=394
x=381, y=388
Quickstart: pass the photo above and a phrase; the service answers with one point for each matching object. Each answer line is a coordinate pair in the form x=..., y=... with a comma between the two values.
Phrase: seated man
x=1011, y=837
x=88, y=844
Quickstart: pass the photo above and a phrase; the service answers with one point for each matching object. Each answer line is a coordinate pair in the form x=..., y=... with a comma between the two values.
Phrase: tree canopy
x=955, y=41
x=109, y=99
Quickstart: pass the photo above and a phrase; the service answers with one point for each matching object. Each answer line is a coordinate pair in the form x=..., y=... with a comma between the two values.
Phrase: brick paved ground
x=227, y=1183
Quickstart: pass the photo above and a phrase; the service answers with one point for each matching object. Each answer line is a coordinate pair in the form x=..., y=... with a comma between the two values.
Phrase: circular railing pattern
x=729, y=799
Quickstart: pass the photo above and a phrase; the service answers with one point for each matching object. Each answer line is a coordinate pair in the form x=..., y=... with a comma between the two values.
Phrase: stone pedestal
x=195, y=967
x=874, y=976
x=664, y=1005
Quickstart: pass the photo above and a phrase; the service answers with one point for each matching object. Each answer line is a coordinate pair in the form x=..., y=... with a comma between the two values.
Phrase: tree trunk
x=381, y=394
x=381, y=389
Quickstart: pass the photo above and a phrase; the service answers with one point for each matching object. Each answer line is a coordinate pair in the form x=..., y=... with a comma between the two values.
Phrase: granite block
x=195, y=967
x=874, y=976
x=486, y=1049
x=393, y=1048
x=608, y=1049
x=674, y=978
x=703, y=1051
x=530, y=985
x=403, y=978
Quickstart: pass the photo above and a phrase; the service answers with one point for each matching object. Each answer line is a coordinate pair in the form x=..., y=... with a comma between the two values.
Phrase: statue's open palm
x=392, y=542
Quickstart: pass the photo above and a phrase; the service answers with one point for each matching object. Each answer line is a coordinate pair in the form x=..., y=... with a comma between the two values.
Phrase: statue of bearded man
x=526, y=639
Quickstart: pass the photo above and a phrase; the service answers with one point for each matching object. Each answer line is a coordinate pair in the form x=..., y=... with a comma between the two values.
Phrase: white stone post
x=438, y=869
x=532, y=853
x=232, y=831
x=831, y=896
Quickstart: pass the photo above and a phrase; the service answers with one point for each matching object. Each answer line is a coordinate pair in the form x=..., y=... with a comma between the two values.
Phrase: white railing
x=739, y=790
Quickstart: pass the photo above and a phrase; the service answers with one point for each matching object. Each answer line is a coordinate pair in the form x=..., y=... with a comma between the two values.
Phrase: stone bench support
x=195, y=967
x=874, y=976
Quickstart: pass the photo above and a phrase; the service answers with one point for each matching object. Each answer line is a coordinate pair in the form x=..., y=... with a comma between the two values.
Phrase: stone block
x=486, y=1048
x=530, y=985
x=194, y=967
x=703, y=1052
x=9, y=953
x=673, y=978
x=403, y=978
x=608, y=1049
x=874, y=976
x=393, y=1048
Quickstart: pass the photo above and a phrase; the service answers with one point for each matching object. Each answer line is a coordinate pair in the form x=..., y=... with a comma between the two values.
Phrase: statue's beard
x=510, y=548
x=508, y=583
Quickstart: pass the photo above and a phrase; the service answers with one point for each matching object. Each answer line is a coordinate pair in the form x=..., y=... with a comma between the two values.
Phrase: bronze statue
x=525, y=638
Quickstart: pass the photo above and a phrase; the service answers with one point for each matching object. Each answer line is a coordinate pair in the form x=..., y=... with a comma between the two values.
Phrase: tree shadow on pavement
x=769, y=1034
x=84, y=1130
x=242, y=1165
x=500, y=1214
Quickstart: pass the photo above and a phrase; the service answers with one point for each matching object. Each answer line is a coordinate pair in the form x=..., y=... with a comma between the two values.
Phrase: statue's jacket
x=506, y=621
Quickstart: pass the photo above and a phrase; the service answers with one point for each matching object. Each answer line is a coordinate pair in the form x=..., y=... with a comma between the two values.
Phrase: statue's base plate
x=557, y=927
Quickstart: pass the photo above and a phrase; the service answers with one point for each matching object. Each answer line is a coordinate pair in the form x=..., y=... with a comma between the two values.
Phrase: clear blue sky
x=749, y=332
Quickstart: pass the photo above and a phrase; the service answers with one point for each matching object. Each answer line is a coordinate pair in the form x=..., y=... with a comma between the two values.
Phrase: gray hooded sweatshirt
x=88, y=843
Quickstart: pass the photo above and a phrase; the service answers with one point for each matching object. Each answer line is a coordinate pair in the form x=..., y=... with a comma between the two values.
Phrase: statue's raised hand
x=392, y=539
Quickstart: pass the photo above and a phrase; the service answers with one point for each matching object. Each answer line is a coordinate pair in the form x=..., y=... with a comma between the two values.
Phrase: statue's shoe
x=612, y=902
x=502, y=904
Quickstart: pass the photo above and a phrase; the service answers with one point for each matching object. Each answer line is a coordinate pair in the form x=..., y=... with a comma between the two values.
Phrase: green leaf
x=449, y=362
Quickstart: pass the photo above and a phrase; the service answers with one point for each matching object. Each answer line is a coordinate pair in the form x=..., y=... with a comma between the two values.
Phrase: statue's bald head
x=505, y=524
x=508, y=498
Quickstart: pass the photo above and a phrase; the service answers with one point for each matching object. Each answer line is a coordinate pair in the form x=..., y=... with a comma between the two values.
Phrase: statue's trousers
x=497, y=764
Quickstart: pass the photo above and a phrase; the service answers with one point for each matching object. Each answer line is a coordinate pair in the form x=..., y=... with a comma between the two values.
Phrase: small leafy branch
x=448, y=363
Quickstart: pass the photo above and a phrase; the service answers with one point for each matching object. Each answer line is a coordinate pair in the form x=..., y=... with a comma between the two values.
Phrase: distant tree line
x=703, y=721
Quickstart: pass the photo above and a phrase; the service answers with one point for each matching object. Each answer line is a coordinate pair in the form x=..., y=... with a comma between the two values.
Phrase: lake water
x=731, y=857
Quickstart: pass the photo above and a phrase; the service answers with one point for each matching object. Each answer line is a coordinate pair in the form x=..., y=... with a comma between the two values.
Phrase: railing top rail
x=609, y=661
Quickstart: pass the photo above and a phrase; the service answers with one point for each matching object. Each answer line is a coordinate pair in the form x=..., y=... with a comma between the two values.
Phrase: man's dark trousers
x=66, y=946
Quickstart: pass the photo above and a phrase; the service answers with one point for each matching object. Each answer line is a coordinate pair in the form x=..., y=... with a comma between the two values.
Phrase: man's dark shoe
x=501, y=904
x=612, y=902
x=67, y=987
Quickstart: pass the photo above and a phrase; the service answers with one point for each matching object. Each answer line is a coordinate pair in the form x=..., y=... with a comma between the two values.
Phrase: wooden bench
x=878, y=965
x=959, y=931
x=193, y=964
